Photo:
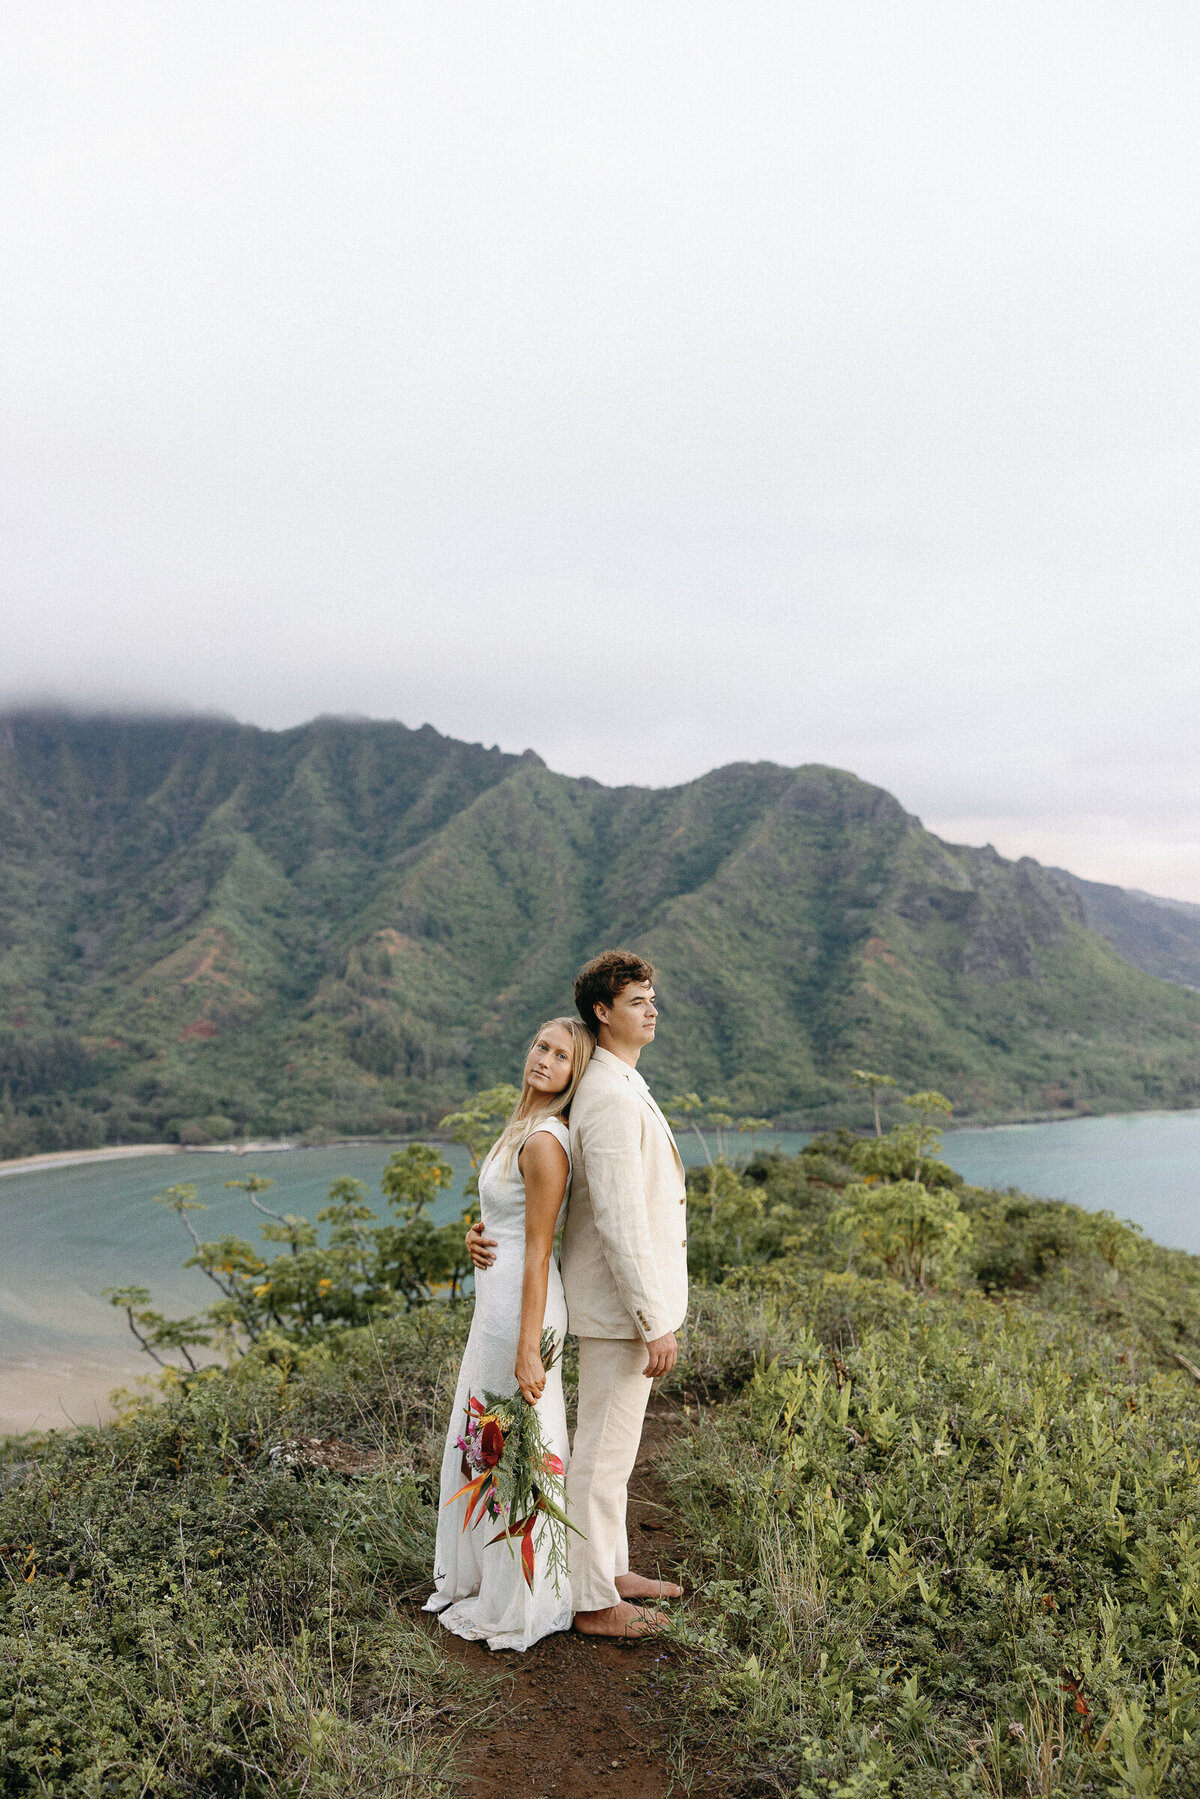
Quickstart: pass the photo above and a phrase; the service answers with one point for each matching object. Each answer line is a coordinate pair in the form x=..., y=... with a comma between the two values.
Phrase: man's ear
x=600, y=1013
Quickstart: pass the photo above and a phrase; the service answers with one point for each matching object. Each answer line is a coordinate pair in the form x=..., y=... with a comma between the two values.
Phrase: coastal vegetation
x=313, y=1290
x=208, y=930
x=935, y=1475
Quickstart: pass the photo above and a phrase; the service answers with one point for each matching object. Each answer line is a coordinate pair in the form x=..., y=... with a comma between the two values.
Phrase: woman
x=479, y=1586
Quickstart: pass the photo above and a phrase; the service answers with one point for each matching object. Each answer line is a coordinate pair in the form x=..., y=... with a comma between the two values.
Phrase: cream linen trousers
x=613, y=1393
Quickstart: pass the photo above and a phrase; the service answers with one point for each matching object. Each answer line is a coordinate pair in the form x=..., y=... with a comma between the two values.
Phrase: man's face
x=632, y=1016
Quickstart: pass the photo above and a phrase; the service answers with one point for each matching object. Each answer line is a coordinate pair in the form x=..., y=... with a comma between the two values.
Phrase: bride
x=479, y=1586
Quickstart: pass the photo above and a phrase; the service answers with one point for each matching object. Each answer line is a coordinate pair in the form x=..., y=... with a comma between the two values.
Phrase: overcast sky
x=656, y=385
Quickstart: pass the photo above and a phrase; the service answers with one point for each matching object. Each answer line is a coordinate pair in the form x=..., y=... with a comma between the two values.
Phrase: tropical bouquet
x=515, y=1480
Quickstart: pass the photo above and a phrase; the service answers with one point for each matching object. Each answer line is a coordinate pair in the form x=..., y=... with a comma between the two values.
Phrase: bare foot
x=623, y=1620
x=637, y=1586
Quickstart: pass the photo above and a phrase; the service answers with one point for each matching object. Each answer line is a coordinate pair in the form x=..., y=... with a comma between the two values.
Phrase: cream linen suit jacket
x=624, y=1249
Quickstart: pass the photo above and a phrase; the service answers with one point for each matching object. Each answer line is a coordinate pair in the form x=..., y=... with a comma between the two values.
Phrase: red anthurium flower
x=552, y=1465
x=491, y=1444
x=477, y=1406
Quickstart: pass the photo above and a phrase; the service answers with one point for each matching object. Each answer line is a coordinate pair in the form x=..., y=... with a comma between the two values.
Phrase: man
x=624, y=1268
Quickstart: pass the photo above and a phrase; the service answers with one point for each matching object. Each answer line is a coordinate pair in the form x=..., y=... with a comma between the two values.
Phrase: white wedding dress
x=479, y=1587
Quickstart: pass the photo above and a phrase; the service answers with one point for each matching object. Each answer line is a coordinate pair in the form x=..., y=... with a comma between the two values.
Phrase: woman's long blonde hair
x=532, y=1109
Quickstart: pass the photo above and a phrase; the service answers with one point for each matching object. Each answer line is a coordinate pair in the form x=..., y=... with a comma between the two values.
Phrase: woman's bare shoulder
x=544, y=1150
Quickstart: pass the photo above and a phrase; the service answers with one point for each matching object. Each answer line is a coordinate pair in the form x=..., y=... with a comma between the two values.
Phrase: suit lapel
x=615, y=1069
x=654, y=1107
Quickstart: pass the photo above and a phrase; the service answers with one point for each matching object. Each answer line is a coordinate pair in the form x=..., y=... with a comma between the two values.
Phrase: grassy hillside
x=941, y=1530
x=207, y=927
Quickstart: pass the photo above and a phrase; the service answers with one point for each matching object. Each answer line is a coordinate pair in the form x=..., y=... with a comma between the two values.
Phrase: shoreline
x=78, y=1158
x=68, y=1391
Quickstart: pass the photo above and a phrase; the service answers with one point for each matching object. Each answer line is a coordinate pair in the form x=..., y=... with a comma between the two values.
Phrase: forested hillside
x=205, y=927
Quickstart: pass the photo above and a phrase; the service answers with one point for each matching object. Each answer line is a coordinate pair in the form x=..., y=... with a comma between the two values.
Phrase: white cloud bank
x=655, y=385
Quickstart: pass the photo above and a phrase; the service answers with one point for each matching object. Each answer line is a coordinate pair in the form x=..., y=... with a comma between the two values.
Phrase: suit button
x=683, y=1245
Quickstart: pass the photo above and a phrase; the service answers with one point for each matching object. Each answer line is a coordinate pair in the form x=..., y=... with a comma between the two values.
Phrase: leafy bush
x=956, y=1555
x=945, y=1540
x=311, y=1289
x=180, y=1616
x=914, y=1232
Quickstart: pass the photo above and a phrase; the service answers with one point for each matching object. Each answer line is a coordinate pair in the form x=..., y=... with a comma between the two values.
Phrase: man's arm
x=609, y=1141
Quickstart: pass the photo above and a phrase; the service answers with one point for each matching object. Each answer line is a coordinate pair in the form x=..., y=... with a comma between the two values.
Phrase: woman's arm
x=544, y=1165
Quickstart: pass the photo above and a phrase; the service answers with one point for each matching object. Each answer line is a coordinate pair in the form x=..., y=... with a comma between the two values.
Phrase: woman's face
x=548, y=1064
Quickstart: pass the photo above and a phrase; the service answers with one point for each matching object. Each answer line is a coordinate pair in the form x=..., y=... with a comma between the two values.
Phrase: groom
x=624, y=1268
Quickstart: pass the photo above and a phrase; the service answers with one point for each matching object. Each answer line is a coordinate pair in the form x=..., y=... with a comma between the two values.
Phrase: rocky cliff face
x=987, y=917
x=1017, y=907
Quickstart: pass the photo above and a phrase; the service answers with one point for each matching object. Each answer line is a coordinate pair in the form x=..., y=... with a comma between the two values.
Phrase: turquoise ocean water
x=67, y=1233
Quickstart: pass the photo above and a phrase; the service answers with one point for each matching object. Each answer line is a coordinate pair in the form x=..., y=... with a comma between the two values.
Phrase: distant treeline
x=33, y=1062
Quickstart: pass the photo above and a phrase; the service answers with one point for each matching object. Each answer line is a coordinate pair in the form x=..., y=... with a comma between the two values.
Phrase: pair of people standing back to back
x=587, y=1141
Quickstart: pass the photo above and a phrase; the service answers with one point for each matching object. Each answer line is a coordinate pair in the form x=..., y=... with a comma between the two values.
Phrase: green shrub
x=962, y=1542
x=310, y=1289
x=946, y=1540
x=917, y=1234
x=180, y=1616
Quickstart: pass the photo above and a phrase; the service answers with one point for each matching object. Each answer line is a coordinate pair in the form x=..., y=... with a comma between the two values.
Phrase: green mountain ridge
x=350, y=925
x=1161, y=936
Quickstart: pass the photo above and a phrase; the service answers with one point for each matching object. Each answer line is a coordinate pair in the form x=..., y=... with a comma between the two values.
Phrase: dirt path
x=587, y=1718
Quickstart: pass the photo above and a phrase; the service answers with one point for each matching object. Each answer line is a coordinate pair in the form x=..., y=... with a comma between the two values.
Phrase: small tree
x=915, y=1233
x=687, y=1111
x=928, y=1105
x=478, y=1126
x=914, y=1226
x=233, y=1265
x=153, y=1331
x=908, y=1151
x=417, y=1256
x=413, y=1179
x=876, y=1083
x=309, y=1289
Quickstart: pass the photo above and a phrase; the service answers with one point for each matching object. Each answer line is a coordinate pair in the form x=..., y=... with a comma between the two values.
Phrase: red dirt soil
x=585, y=1716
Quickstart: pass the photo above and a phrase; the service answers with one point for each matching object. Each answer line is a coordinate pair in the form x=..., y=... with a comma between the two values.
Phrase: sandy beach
x=61, y=1392
x=75, y=1158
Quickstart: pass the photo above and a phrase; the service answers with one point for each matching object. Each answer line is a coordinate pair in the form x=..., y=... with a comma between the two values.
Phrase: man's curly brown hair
x=600, y=980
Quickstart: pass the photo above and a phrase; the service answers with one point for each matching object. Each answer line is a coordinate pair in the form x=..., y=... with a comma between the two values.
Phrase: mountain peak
x=350, y=924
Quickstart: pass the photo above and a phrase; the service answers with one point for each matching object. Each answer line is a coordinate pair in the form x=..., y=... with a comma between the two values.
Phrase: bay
x=1144, y=1166
x=68, y=1232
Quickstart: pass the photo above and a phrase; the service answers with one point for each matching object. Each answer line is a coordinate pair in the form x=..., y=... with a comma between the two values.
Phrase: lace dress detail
x=479, y=1588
